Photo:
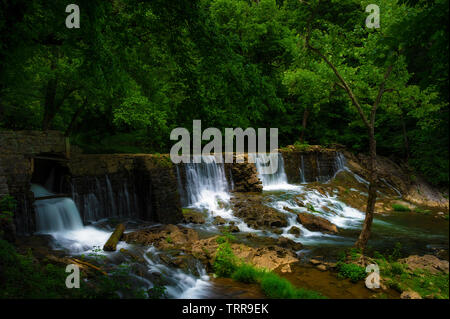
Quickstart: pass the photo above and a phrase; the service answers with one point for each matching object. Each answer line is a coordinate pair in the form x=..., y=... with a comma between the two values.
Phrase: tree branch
x=341, y=79
x=380, y=95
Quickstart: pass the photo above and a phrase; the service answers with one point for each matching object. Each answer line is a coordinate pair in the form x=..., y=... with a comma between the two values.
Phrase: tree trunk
x=363, y=238
x=111, y=244
x=49, y=105
x=74, y=118
x=304, y=122
x=405, y=138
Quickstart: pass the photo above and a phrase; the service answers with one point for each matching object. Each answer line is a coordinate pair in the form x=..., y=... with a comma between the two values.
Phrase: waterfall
x=270, y=168
x=105, y=197
x=55, y=214
x=204, y=181
x=302, y=170
x=111, y=196
x=206, y=189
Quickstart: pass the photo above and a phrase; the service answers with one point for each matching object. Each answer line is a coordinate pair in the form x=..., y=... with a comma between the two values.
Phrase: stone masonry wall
x=17, y=149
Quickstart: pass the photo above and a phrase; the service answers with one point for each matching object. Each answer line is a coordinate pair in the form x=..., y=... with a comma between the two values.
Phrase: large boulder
x=316, y=223
x=410, y=295
x=191, y=216
x=244, y=175
x=164, y=237
x=268, y=257
x=256, y=214
x=428, y=262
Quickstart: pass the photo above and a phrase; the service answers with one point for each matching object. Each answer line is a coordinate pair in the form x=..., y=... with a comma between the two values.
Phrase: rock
x=428, y=262
x=256, y=214
x=294, y=230
x=191, y=216
x=410, y=295
x=251, y=236
x=299, y=202
x=132, y=255
x=289, y=243
x=219, y=221
x=245, y=175
x=230, y=229
x=315, y=262
x=322, y=267
x=316, y=223
x=164, y=237
x=269, y=257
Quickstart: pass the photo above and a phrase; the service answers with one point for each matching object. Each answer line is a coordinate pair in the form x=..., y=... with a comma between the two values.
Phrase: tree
x=365, y=69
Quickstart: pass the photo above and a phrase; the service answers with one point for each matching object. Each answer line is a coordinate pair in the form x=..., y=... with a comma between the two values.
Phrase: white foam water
x=207, y=189
x=180, y=284
x=338, y=213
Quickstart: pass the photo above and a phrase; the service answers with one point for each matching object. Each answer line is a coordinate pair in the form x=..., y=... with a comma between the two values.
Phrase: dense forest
x=135, y=70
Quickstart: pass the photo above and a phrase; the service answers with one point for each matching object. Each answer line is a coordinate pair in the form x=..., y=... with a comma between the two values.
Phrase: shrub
x=351, y=271
x=225, y=262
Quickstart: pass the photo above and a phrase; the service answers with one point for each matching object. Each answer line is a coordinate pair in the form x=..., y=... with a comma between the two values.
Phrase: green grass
x=276, y=287
x=400, y=208
x=247, y=274
x=422, y=211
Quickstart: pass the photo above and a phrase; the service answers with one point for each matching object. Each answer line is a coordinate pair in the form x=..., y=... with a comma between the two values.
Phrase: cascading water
x=270, y=168
x=338, y=213
x=302, y=170
x=60, y=218
x=206, y=189
x=205, y=181
x=55, y=214
x=98, y=199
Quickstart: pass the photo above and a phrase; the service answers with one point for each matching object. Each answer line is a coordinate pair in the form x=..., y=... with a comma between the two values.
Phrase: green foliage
x=7, y=207
x=157, y=292
x=396, y=252
x=225, y=262
x=231, y=63
x=400, y=208
x=352, y=271
x=22, y=276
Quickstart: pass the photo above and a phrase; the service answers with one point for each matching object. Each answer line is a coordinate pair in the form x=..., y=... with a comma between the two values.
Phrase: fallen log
x=85, y=263
x=111, y=244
